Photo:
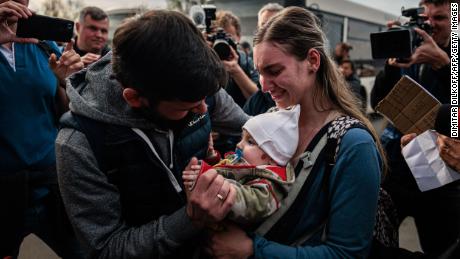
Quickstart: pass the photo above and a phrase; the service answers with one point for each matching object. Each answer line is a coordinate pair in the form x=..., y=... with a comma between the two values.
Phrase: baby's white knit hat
x=276, y=133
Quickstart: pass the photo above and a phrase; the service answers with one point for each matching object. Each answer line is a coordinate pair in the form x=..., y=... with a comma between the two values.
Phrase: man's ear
x=314, y=60
x=77, y=27
x=238, y=38
x=134, y=99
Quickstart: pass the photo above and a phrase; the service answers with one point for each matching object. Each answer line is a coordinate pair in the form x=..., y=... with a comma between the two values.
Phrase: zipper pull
x=171, y=143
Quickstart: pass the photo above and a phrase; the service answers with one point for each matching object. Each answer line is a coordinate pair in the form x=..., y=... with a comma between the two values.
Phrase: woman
x=295, y=69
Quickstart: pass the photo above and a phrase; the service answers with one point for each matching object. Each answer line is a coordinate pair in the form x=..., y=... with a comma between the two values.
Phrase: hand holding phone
x=10, y=12
x=45, y=28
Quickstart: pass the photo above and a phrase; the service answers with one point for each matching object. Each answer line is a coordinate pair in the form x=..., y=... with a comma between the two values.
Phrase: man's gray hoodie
x=92, y=203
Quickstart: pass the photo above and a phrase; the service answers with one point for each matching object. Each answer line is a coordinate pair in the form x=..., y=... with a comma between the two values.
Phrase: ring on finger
x=220, y=197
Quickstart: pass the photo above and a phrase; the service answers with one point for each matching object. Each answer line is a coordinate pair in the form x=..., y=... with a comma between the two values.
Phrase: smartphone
x=45, y=28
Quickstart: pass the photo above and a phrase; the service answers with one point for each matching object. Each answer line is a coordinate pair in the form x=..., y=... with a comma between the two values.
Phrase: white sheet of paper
x=422, y=157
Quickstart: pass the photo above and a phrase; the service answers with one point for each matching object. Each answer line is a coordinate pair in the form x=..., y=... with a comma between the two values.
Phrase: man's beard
x=163, y=123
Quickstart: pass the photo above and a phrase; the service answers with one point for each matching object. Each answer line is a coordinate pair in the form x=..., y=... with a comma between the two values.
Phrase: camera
x=400, y=42
x=203, y=16
x=221, y=43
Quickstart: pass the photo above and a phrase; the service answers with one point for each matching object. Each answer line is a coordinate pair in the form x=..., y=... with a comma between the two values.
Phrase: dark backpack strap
x=329, y=157
x=386, y=227
x=94, y=131
x=338, y=128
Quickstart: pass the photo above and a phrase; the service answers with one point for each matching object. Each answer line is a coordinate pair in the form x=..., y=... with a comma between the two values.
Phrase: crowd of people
x=106, y=153
x=435, y=212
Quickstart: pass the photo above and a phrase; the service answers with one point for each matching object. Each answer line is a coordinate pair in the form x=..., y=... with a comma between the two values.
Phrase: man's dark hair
x=165, y=57
x=245, y=45
x=345, y=61
x=95, y=13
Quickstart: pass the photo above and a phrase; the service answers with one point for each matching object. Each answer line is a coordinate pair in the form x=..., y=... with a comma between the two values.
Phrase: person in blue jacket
x=32, y=95
x=291, y=57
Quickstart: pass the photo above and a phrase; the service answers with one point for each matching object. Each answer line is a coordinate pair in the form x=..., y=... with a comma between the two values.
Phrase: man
x=266, y=12
x=137, y=117
x=33, y=92
x=430, y=63
x=347, y=68
x=246, y=46
x=342, y=51
x=436, y=212
x=92, y=30
x=243, y=77
x=260, y=102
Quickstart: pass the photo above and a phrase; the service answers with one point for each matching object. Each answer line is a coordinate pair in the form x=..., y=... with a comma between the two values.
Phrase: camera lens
x=222, y=49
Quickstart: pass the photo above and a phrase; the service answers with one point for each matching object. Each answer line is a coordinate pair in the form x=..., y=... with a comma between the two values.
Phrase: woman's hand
x=232, y=242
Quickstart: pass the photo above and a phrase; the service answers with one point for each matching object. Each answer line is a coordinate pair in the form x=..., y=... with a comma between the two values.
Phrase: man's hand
x=231, y=64
x=10, y=12
x=211, y=199
x=70, y=62
x=206, y=36
x=231, y=242
x=90, y=58
x=428, y=53
x=449, y=150
x=246, y=85
x=393, y=23
x=407, y=138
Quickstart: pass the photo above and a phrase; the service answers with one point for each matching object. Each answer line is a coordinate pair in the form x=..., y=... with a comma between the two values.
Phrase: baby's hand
x=189, y=176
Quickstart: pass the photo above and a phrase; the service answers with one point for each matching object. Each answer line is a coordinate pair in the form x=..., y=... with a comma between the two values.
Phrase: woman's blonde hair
x=296, y=31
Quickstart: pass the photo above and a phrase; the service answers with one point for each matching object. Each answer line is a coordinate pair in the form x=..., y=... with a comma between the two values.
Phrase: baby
x=259, y=168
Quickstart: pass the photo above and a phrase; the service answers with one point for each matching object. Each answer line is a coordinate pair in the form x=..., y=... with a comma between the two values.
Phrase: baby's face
x=252, y=153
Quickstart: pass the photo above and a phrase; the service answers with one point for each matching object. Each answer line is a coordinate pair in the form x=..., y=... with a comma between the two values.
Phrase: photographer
x=243, y=77
x=436, y=212
x=33, y=95
x=429, y=64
